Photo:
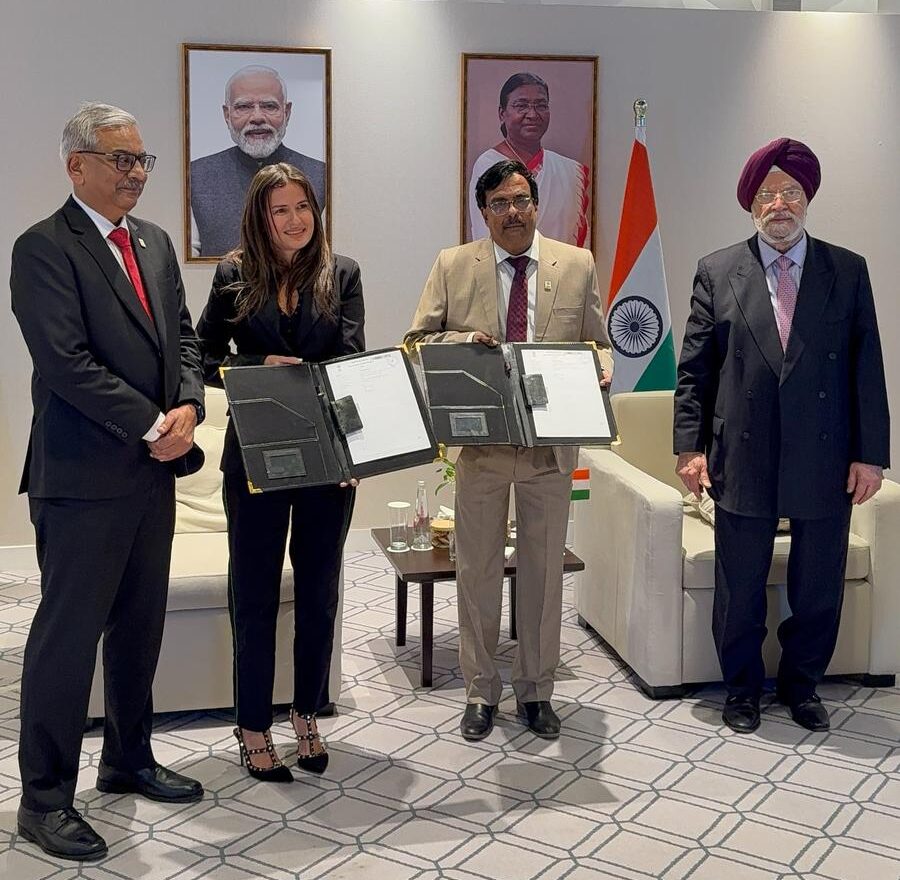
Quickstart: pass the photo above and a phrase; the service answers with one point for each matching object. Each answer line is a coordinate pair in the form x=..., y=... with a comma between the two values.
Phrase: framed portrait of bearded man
x=540, y=110
x=246, y=107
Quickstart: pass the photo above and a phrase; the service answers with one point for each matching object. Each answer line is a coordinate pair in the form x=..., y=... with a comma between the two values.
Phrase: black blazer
x=781, y=428
x=249, y=341
x=103, y=371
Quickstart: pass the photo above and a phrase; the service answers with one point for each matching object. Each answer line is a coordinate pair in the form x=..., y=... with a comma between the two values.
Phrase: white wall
x=719, y=84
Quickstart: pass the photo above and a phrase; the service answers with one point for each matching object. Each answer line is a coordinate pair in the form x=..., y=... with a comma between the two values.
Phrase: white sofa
x=647, y=588
x=195, y=662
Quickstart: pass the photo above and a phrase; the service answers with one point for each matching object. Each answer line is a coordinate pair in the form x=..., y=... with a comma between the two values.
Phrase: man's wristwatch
x=198, y=407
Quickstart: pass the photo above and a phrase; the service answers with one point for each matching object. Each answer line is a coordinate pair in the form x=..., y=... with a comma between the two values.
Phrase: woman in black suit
x=280, y=298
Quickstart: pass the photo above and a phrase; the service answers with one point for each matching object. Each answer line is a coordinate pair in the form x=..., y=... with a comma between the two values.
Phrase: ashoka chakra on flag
x=635, y=326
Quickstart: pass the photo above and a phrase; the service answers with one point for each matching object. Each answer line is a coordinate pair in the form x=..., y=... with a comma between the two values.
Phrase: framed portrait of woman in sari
x=542, y=111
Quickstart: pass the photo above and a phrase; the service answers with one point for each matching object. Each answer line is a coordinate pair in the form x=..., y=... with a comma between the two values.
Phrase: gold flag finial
x=640, y=113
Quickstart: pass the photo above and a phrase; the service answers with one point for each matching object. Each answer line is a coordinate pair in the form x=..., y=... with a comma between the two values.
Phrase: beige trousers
x=484, y=475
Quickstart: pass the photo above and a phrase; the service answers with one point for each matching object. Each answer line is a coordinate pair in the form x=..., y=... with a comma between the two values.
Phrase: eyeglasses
x=125, y=161
x=791, y=196
x=501, y=206
x=540, y=107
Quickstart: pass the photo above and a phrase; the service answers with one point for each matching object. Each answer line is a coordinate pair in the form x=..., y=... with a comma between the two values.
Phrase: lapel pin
x=548, y=285
x=141, y=242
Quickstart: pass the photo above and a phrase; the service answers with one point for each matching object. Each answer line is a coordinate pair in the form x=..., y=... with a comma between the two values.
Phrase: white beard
x=792, y=226
x=254, y=147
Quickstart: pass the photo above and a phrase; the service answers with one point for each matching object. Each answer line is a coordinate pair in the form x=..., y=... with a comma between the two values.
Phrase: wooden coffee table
x=425, y=567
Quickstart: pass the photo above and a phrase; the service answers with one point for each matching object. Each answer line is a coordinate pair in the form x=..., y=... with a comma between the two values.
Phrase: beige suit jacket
x=461, y=296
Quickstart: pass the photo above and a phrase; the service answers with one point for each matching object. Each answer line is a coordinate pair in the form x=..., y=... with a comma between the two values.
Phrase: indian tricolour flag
x=637, y=312
x=581, y=484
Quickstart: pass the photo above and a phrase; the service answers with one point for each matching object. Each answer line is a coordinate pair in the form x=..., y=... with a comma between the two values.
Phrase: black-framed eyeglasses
x=501, y=206
x=125, y=161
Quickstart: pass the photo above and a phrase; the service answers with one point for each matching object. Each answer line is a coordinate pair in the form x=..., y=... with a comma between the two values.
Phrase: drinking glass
x=399, y=520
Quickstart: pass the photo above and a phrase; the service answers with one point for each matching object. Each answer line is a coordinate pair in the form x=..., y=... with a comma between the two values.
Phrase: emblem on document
x=635, y=326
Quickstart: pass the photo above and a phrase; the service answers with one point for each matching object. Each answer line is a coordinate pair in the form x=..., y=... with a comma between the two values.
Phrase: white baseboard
x=359, y=540
x=21, y=557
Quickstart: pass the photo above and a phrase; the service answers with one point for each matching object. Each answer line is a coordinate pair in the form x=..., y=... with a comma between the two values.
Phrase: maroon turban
x=790, y=156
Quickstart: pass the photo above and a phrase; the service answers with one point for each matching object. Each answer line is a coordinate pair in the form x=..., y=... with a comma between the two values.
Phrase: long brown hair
x=263, y=272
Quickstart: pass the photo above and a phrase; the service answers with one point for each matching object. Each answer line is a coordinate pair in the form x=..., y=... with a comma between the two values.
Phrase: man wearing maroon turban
x=780, y=411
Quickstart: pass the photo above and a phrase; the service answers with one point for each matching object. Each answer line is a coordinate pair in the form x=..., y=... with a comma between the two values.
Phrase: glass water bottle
x=421, y=538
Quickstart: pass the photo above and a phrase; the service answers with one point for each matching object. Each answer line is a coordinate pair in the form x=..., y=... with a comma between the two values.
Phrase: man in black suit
x=117, y=392
x=781, y=384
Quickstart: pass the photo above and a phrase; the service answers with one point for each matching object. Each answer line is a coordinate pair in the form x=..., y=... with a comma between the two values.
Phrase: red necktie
x=517, y=311
x=785, y=298
x=120, y=238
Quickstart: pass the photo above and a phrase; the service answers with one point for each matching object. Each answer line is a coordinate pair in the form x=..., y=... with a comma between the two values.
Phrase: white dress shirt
x=105, y=227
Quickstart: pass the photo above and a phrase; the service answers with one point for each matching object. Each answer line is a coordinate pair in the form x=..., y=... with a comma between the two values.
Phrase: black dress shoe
x=741, y=714
x=477, y=721
x=157, y=783
x=61, y=833
x=810, y=713
x=540, y=718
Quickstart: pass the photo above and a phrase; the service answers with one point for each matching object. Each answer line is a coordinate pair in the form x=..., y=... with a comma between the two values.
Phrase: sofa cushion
x=698, y=544
x=199, y=574
x=198, y=497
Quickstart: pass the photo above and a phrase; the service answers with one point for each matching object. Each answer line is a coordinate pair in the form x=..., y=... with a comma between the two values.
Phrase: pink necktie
x=785, y=298
x=517, y=311
x=120, y=238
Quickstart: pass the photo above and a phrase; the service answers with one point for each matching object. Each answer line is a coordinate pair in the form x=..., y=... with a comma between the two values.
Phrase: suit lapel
x=748, y=282
x=816, y=284
x=91, y=240
x=485, y=270
x=547, y=285
x=146, y=261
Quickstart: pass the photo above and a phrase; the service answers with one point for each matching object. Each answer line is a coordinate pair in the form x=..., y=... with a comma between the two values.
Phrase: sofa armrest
x=629, y=536
x=878, y=522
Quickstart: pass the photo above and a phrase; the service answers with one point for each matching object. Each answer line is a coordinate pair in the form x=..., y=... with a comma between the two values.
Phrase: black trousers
x=815, y=592
x=318, y=518
x=104, y=570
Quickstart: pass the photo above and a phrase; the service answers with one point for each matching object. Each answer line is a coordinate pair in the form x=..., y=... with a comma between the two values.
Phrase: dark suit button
x=108, y=423
x=823, y=436
x=749, y=394
x=832, y=355
x=124, y=435
x=822, y=395
x=738, y=353
x=745, y=435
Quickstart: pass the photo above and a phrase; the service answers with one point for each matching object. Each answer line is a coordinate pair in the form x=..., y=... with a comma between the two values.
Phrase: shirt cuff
x=153, y=433
x=471, y=337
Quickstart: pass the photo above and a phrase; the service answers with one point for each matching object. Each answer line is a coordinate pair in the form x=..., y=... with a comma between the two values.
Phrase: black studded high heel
x=276, y=773
x=317, y=759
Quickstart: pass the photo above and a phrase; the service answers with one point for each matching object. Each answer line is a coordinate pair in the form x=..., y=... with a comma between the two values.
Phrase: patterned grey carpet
x=634, y=789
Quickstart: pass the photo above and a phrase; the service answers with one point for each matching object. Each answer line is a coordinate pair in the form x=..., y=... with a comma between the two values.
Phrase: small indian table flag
x=581, y=484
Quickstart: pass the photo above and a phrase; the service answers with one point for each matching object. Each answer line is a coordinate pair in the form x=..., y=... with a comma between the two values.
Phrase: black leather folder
x=293, y=432
x=470, y=398
x=481, y=395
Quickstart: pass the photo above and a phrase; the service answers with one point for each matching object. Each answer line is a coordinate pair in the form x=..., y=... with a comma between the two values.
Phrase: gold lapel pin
x=548, y=285
x=141, y=242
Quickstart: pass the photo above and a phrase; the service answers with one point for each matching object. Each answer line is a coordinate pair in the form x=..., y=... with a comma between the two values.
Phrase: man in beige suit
x=515, y=286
